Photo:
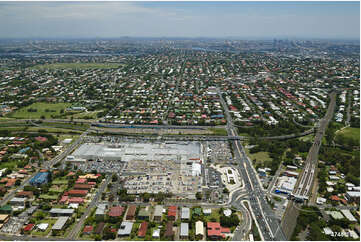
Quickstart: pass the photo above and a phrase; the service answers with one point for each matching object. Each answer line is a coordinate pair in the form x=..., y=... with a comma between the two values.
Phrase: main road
x=269, y=225
x=75, y=231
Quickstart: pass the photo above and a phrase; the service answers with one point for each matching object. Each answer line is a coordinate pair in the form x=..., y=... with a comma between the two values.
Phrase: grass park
x=58, y=189
x=54, y=66
x=59, y=181
x=260, y=157
x=48, y=197
x=40, y=109
x=350, y=132
x=219, y=131
x=10, y=164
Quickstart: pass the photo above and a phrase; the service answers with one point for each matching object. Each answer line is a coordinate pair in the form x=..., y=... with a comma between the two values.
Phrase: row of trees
x=262, y=129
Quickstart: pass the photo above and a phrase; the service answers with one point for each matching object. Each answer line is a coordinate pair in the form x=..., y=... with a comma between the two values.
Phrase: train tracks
x=306, y=180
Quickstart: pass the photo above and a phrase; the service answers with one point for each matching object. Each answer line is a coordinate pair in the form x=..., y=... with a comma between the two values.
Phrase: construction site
x=152, y=167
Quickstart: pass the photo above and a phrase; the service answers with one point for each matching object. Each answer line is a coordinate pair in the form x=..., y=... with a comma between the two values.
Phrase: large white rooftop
x=140, y=151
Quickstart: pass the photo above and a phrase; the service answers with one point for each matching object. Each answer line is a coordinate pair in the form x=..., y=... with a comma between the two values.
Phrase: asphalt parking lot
x=219, y=152
x=215, y=185
x=214, y=178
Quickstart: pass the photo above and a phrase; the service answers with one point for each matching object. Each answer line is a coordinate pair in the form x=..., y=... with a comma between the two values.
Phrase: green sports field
x=42, y=109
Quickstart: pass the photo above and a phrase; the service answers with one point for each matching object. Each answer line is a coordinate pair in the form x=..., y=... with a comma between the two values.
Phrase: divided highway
x=268, y=223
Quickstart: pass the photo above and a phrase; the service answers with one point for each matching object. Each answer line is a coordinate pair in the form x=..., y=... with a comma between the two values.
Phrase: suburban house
x=184, y=231
x=125, y=228
x=131, y=212
x=172, y=212
x=158, y=213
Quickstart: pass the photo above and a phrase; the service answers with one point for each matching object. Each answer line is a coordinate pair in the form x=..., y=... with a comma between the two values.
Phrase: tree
x=199, y=196
x=114, y=178
x=108, y=235
x=230, y=221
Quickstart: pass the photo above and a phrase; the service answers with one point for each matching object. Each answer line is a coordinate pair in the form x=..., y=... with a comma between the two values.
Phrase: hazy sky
x=180, y=19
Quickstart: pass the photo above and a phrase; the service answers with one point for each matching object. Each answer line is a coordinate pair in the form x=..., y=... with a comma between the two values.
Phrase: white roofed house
x=42, y=226
x=199, y=229
x=207, y=211
x=125, y=228
x=156, y=233
x=185, y=213
x=184, y=231
x=227, y=212
x=332, y=177
x=100, y=212
x=321, y=200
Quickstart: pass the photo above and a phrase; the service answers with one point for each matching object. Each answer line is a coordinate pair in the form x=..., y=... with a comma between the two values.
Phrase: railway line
x=304, y=187
x=304, y=184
